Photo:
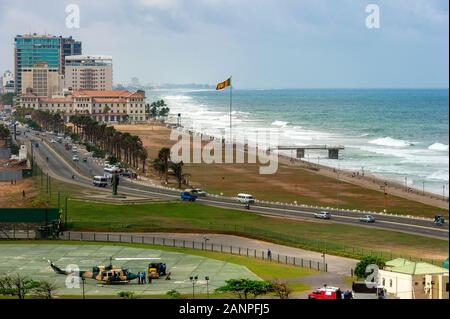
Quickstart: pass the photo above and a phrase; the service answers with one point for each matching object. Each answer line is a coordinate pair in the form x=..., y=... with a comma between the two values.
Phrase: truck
x=326, y=293
x=186, y=196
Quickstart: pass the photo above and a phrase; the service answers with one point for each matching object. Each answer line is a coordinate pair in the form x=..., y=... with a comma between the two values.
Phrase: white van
x=100, y=181
x=245, y=199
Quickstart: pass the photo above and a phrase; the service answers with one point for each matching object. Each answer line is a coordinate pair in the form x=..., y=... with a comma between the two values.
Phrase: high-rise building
x=33, y=48
x=41, y=79
x=7, y=82
x=88, y=72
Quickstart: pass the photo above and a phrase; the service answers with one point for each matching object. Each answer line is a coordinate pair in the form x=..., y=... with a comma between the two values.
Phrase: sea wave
x=439, y=175
x=279, y=123
x=438, y=147
x=389, y=141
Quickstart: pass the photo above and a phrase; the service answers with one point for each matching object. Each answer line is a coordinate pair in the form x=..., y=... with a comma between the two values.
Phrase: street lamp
x=323, y=256
x=82, y=281
x=193, y=280
x=207, y=286
x=206, y=240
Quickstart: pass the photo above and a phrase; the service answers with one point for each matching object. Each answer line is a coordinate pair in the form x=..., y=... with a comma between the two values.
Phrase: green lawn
x=335, y=238
x=263, y=269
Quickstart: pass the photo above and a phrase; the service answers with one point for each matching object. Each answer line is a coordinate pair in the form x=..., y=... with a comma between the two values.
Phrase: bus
x=108, y=171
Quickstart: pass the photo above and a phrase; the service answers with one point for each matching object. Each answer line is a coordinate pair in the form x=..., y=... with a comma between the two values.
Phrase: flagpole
x=231, y=106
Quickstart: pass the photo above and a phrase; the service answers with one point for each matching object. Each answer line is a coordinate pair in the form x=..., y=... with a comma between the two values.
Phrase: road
x=61, y=166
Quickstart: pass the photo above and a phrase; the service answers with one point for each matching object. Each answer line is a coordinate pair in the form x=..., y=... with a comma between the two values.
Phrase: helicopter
x=108, y=275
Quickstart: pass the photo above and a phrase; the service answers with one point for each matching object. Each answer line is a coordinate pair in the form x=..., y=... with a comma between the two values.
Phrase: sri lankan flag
x=223, y=84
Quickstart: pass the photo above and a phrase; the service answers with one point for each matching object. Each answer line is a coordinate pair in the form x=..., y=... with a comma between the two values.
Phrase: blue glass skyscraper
x=32, y=48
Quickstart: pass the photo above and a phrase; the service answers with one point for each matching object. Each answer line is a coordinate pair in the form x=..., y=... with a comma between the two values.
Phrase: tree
x=361, y=266
x=246, y=287
x=177, y=172
x=281, y=289
x=45, y=290
x=4, y=132
x=164, y=156
x=126, y=294
x=17, y=286
x=174, y=294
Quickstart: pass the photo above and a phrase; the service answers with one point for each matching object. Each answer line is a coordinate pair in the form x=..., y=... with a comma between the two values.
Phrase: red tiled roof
x=111, y=94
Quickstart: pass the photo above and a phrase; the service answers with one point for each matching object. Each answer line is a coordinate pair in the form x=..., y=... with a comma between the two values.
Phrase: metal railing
x=205, y=246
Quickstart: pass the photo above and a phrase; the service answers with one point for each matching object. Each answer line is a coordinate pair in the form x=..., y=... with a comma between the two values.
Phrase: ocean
x=391, y=133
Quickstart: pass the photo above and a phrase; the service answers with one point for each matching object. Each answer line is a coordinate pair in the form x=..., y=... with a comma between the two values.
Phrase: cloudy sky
x=263, y=43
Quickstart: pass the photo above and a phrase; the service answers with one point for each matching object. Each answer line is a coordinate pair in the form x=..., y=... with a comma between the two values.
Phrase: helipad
x=30, y=260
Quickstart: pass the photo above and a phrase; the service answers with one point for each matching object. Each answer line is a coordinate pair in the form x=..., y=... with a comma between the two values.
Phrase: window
x=390, y=283
x=384, y=282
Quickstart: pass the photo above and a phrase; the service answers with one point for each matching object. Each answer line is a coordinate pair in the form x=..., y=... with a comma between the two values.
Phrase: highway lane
x=59, y=164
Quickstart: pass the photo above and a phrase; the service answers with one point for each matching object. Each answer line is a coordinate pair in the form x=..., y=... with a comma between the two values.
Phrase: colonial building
x=103, y=106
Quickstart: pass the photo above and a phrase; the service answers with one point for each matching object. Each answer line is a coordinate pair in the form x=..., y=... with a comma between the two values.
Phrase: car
x=245, y=199
x=186, y=196
x=75, y=158
x=85, y=159
x=326, y=293
x=439, y=220
x=100, y=181
x=197, y=191
x=367, y=219
x=52, y=141
x=322, y=215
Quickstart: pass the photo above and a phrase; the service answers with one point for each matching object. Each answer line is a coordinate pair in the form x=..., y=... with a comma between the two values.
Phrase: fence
x=309, y=243
x=205, y=246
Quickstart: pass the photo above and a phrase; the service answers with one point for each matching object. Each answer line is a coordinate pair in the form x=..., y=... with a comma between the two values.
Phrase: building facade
x=31, y=49
x=88, y=72
x=406, y=279
x=103, y=106
x=42, y=80
x=7, y=82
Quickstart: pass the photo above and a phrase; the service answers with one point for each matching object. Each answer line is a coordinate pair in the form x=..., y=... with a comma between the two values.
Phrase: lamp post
x=207, y=286
x=82, y=281
x=193, y=280
x=206, y=240
x=323, y=256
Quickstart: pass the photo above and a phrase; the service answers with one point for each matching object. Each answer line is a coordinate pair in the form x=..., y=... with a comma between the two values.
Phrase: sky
x=261, y=43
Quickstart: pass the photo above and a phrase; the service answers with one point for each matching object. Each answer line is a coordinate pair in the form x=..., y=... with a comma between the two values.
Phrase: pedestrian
x=23, y=194
x=143, y=279
x=150, y=278
x=139, y=278
x=269, y=254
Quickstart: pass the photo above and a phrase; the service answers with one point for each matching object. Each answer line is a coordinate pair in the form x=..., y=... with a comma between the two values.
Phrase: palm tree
x=177, y=172
x=164, y=156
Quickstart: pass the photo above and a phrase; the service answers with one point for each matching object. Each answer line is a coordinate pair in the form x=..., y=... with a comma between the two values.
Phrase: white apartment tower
x=88, y=72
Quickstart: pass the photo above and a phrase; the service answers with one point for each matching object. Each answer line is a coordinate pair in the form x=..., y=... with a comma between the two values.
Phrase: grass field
x=190, y=217
x=30, y=258
x=288, y=184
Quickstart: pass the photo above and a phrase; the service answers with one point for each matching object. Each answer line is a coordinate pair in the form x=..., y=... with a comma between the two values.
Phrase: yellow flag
x=223, y=84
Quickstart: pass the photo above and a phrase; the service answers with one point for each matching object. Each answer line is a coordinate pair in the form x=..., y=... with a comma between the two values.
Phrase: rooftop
x=405, y=266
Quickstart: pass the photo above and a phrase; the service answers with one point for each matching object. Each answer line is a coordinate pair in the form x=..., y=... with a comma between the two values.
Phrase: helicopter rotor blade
x=138, y=258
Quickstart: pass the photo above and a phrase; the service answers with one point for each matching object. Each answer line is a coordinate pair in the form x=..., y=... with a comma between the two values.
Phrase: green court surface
x=31, y=261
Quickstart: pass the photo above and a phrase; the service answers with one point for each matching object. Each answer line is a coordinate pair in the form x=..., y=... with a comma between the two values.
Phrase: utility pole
x=193, y=280
x=207, y=286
